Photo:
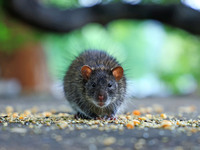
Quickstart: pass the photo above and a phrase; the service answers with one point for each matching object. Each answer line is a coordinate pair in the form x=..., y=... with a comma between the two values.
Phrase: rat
x=95, y=85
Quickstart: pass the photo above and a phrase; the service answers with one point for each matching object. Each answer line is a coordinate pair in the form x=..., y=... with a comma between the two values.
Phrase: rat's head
x=101, y=85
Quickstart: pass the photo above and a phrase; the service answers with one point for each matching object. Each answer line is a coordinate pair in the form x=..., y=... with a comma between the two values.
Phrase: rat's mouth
x=101, y=99
x=101, y=104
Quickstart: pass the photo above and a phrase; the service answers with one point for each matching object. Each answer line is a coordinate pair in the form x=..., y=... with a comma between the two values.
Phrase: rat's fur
x=82, y=93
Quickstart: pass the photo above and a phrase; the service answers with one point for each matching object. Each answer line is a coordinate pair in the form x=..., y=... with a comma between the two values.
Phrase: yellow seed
x=142, y=118
x=62, y=125
x=21, y=117
x=61, y=114
x=96, y=122
x=177, y=123
x=130, y=125
x=128, y=117
x=27, y=112
x=166, y=124
x=116, y=122
x=47, y=114
x=164, y=116
x=136, y=113
x=15, y=115
x=48, y=123
x=136, y=122
x=149, y=116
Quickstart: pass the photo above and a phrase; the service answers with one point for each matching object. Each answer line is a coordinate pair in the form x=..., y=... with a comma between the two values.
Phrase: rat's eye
x=93, y=84
x=109, y=85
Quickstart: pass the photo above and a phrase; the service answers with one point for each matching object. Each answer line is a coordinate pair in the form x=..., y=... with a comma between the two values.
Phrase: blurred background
x=159, y=60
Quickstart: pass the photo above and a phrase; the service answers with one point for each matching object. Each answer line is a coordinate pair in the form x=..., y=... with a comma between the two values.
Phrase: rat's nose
x=101, y=97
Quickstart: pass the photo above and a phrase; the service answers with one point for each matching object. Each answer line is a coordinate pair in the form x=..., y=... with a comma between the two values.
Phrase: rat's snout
x=101, y=96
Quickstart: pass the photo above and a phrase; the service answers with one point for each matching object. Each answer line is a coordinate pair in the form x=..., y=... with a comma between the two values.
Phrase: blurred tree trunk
x=27, y=65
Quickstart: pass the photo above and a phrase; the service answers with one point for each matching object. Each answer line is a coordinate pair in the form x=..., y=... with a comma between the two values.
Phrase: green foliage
x=129, y=41
x=144, y=47
x=181, y=56
x=63, y=48
x=63, y=4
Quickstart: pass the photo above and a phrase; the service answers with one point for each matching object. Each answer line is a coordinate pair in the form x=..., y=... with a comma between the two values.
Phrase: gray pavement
x=45, y=138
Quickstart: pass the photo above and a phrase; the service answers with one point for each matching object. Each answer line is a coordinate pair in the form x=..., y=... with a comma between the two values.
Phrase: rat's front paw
x=111, y=117
x=80, y=116
x=108, y=117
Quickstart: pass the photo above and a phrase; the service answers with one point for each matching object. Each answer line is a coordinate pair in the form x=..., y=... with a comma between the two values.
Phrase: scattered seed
x=128, y=117
x=136, y=122
x=15, y=115
x=140, y=118
x=149, y=116
x=164, y=116
x=166, y=124
x=130, y=125
x=136, y=113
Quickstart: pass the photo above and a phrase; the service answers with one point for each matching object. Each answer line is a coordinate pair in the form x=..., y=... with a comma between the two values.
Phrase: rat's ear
x=118, y=72
x=86, y=72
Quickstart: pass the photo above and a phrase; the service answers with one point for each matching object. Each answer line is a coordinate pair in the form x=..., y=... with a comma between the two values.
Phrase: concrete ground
x=44, y=138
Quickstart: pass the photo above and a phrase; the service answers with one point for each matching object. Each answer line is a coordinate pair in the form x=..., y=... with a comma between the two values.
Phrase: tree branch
x=53, y=19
